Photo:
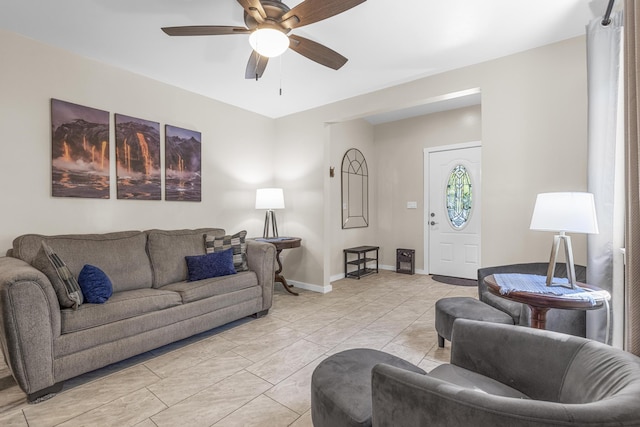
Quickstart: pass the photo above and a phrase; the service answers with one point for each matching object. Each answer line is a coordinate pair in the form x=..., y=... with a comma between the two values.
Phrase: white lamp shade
x=269, y=42
x=565, y=212
x=269, y=198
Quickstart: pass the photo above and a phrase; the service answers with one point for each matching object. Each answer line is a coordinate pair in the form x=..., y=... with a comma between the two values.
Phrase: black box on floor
x=405, y=261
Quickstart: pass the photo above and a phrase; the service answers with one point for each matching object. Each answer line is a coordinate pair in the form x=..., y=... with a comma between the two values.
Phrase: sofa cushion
x=167, y=249
x=237, y=242
x=95, y=284
x=206, y=266
x=63, y=281
x=193, y=291
x=471, y=380
x=121, y=305
x=122, y=256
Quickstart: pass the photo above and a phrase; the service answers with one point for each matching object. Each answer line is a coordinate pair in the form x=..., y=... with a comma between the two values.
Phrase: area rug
x=454, y=281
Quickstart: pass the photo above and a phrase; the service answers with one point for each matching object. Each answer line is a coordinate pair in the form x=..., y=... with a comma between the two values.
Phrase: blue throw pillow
x=95, y=284
x=210, y=265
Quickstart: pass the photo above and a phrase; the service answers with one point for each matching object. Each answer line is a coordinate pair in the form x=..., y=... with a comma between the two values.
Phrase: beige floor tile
x=261, y=411
x=214, y=403
x=417, y=336
x=409, y=354
x=253, y=372
x=335, y=333
x=440, y=354
x=11, y=396
x=13, y=419
x=303, y=421
x=183, y=358
x=363, y=339
x=254, y=329
x=188, y=382
x=428, y=364
x=126, y=411
x=295, y=391
x=146, y=423
x=280, y=365
x=79, y=400
x=269, y=343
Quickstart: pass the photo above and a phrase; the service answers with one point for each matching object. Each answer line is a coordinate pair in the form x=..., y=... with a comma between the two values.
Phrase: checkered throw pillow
x=237, y=242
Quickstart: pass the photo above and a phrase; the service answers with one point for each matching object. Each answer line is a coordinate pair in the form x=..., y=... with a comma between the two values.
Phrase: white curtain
x=605, y=173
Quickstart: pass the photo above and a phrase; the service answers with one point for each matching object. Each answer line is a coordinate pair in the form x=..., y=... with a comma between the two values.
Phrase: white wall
x=237, y=147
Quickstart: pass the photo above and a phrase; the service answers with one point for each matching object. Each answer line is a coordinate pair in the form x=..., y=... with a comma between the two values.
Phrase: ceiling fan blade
x=310, y=11
x=256, y=65
x=317, y=52
x=255, y=9
x=204, y=30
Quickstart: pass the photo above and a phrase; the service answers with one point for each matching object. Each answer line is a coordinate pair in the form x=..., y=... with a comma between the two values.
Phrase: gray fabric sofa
x=152, y=303
x=502, y=375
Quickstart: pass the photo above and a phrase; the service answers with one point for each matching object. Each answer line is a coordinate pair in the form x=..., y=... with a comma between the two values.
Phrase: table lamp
x=564, y=213
x=270, y=199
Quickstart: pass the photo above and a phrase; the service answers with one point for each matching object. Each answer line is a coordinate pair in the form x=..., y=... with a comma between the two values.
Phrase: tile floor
x=253, y=372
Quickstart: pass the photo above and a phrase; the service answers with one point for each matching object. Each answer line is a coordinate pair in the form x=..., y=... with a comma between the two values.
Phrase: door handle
x=433, y=223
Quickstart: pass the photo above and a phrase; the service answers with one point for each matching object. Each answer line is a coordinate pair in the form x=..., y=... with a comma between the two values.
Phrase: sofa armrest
x=29, y=324
x=261, y=259
x=530, y=360
x=408, y=399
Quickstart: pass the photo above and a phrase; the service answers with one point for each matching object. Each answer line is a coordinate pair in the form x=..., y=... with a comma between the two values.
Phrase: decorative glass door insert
x=459, y=197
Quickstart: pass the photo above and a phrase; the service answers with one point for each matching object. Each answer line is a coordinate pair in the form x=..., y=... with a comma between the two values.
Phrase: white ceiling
x=387, y=42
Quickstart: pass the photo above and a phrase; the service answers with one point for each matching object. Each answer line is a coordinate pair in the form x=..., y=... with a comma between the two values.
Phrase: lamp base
x=270, y=220
x=568, y=254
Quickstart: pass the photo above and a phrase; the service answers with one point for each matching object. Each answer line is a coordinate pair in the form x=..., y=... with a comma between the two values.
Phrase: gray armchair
x=571, y=322
x=503, y=375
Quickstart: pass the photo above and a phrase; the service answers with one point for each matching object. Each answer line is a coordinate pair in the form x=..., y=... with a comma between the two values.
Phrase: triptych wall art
x=80, y=161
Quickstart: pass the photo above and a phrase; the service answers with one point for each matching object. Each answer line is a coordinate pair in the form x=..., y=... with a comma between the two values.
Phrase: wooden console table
x=281, y=244
x=360, y=262
x=541, y=303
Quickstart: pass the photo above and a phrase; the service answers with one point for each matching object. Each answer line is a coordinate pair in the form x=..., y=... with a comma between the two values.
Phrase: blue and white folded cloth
x=516, y=282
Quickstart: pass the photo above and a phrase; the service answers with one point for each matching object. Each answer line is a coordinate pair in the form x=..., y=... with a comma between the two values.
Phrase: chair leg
x=440, y=341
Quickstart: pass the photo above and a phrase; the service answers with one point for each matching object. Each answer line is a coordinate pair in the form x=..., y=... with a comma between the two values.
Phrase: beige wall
x=533, y=136
x=399, y=148
x=534, y=126
x=237, y=149
x=344, y=136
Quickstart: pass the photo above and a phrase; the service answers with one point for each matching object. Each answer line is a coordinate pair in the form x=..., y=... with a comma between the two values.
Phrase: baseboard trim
x=311, y=287
x=380, y=267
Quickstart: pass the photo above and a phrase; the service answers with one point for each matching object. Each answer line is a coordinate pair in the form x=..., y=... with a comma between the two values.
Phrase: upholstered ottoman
x=450, y=309
x=341, y=387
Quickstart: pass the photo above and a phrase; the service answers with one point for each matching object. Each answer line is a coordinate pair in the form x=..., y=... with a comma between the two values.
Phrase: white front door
x=453, y=217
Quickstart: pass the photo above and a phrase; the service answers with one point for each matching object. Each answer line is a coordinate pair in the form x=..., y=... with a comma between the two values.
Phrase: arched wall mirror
x=355, y=190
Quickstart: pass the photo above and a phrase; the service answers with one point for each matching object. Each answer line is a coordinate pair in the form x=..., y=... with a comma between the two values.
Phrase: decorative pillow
x=95, y=284
x=63, y=281
x=215, y=264
x=235, y=242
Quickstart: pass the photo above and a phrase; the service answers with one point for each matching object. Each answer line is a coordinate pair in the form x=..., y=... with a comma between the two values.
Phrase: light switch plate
x=412, y=205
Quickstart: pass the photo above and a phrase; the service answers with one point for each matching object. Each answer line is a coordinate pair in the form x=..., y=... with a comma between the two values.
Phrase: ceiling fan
x=272, y=18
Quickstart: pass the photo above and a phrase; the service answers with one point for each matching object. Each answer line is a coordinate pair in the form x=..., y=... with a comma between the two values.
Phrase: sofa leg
x=260, y=314
x=45, y=393
x=440, y=341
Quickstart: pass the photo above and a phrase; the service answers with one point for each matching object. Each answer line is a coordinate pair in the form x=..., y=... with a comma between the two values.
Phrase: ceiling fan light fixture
x=269, y=42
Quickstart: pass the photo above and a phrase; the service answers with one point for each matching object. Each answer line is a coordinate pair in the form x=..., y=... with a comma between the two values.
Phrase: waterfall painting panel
x=79, y=151
x=138, y=158
x=183, y=151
